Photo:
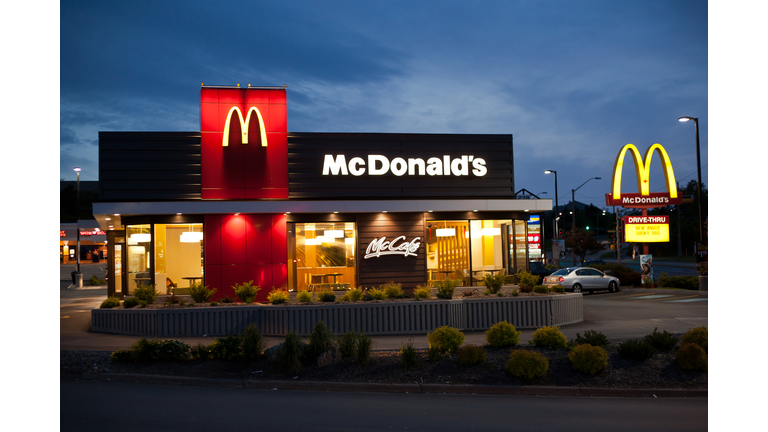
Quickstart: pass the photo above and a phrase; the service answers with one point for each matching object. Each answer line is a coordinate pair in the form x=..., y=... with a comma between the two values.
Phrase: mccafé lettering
x=380, y=246
x=380, y=165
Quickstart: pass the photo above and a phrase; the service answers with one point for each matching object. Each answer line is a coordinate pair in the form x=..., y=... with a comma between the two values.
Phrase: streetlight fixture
x=698, y=171
x=77, y=218
x=573, y=208
x=557, y=215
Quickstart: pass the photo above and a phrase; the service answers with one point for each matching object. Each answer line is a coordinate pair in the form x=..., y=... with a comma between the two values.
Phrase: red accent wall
x=243, y=171
x=243, y=248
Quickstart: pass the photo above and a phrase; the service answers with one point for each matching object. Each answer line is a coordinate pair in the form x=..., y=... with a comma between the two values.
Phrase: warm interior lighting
x=333, y=233
x=446, y=232
x=141, y=238
x=491, y=231
x=310, y=242
x=324, y=239
x=349, y=241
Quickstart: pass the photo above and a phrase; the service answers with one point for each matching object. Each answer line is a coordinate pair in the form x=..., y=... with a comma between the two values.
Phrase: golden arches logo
x=643, y=170
x=244, y=125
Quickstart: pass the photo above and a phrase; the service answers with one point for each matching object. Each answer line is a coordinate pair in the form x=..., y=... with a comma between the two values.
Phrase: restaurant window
x=321, y=255
x=520, y=246
x=448, y=250
x=487, y=246
x=178, y=257
x=138, y=249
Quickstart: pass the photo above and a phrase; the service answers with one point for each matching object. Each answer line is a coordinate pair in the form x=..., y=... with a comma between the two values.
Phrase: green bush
x=130, y=302
x=662, y=341
x=246, y=291
x=692, y=357
x=445, y=288
x=515, y=292
x=588, y=358
x=290, y=353
x=226, y=348
x=200, y=293
x=526, y=289
x=685, y=282
x=171, y=300
x=320, y=339
x=527, y=279
x=152, y=350
x=326, y=296
x=526, y=365
x=355, y=294
x=277, y=297
x=409, y=355
x=227, y=299
x=636, y=349
x=626, y=275
x=304, y=297
x=471, y=354
x=200, y=351
x=550, y=337
x=392, y=290
x=558, y=288
x=494, y=282
x=422, y=292
x=95, y=281
x=446, y=339
x=364, y=347
x=110, y=302
x=253, y=342
x=367, y=297
x=697, y=336
x=347, y=344
x=377, y=294
x=502, y=335
x=146, y=293
x=541, y=289
x=433, y=354
x=591, y=337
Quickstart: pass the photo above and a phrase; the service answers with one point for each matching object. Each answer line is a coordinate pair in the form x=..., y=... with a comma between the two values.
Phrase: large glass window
x=321, y=255
x=520, y=246
x=448, y=250
x=178, y=257
x=487, y=246
x=138, y=247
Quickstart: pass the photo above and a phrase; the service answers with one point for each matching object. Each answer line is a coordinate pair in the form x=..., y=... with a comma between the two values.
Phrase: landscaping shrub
x=364, y=347
x=471, y=354
x=526, y=365
x=253, y=342
x=445, y=288
x=171, y=300
x=304, y=297
x=588, y=358
x=692, y=357
x=697, y=336
x=526, y=289
x=200, y=293
x=110, y=302
x=326, y=296
x=277, y=297
x=226, y=348
x=502, y=335
x=591, y=337
x=377, y=294
x=558, y=289
x=662, y=341
x=200, y=351
x=515, y=292
x=130, y=302
x=353, y=295
x=685, y=282
x=367, y=297
x=433, y=354
x=96, y=281
x=541, y=289
x=347, y=344
x=494, y=282
x=550, y=337
x=408, y=354
x=446, y=339
x=290, y=353
x=422, y=292
x=527, y=280
x=392, y=290
x=320, y=339
x=146, y=293
x=227, y=299
x=626, y=275
x=246, y=291
x=152, y=350
x=636, y=349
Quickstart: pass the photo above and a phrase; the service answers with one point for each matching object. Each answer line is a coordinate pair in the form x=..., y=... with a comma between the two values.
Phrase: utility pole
x=679, y=234
x=618, y=235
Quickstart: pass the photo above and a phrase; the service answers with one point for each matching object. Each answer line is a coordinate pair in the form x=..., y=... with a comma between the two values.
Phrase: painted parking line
x=647, y=297
x=614, y=297
x=688, y=300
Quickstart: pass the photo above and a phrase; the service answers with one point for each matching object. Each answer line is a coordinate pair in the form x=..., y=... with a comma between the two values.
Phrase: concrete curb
x=391, y=388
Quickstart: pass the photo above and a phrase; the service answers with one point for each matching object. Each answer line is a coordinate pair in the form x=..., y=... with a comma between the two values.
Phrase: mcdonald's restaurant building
x=244, y=199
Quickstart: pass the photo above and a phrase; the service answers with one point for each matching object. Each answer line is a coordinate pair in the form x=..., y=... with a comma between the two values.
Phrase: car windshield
x=561, y=272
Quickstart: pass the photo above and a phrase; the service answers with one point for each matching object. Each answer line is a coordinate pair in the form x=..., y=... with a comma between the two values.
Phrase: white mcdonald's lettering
x=380, y=246
x=643, y=171
x=244, y=126
x=380, y=165
x=644, y=200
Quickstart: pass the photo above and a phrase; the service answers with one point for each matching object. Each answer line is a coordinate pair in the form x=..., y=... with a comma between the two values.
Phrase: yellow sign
x=244, y=126
x=643, y=170
x=646, y=233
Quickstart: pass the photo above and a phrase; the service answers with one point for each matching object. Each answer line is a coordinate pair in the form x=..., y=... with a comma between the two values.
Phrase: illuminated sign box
x=646, y=229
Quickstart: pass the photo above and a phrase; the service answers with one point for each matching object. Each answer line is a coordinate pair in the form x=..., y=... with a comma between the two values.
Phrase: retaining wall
x=412, y=317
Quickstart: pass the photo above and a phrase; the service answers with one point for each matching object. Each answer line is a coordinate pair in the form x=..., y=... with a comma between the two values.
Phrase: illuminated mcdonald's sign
x=643, y=199
x=244, y=125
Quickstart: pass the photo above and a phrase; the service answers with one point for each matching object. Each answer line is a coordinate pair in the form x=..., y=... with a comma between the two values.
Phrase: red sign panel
x=244, y=133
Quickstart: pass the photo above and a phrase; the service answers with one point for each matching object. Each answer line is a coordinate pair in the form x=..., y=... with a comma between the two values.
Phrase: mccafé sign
x=381, y=246
x=643, y=199
x=380, y=165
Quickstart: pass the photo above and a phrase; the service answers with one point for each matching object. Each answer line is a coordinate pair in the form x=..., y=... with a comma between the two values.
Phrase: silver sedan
x=578, y=279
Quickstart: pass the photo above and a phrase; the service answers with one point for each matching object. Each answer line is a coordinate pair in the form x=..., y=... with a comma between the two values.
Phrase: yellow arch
x=244, y=126
x=643, y=170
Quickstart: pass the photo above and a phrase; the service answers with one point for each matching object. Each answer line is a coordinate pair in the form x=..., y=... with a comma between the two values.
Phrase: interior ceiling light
x=333, y=233
x=445, y=232
x=491, y=231
x=141, y=237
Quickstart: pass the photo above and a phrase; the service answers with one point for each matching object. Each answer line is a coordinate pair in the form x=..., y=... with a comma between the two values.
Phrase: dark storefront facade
x=243, y=199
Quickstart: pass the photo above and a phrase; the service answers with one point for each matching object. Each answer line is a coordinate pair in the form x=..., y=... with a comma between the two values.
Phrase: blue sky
x=572, y=81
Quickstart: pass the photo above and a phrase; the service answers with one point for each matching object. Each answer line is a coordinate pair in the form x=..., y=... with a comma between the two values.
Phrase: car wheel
x=612, y=287
x=576, y=288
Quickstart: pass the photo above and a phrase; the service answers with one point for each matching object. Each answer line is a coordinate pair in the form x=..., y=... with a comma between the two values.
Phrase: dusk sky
x=571, y=81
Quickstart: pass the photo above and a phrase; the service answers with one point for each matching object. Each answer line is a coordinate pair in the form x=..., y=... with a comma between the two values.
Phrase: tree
x=583, y=243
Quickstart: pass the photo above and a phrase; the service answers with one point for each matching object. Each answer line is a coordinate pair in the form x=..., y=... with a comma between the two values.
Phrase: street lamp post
x=557, y=215
x=698, y=171
x=77, y=218
x=573, y=208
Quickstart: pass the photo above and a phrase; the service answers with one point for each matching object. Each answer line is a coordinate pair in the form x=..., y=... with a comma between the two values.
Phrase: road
x=97, y=406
